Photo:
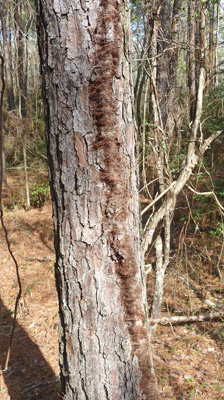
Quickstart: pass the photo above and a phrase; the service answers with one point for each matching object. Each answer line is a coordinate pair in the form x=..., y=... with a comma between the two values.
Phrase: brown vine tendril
x=2, y=219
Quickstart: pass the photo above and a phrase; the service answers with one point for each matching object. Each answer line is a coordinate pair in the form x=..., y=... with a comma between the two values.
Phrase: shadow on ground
x=28, y=376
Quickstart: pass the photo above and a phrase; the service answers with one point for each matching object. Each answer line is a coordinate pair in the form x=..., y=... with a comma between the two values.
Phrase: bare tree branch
x=207, y=194
x=157, y=198
x=191, y=318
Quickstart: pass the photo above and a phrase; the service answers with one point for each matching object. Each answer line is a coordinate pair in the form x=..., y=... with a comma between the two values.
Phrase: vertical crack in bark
x=83, y=356
x=106, y=392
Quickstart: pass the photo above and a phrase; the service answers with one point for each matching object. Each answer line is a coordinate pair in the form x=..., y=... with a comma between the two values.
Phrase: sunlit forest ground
x=188, y=357
x=33, y=366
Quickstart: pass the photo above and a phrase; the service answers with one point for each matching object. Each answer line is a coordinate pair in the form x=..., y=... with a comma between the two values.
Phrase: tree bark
x=20, y=59
x=211, y=44
x=104, y=343
x=167, y=58
x=191, y=57
x=4, y=176
x=6, y=51
x=216, y=78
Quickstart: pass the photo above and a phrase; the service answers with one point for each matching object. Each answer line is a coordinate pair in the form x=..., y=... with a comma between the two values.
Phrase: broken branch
x=191, y=318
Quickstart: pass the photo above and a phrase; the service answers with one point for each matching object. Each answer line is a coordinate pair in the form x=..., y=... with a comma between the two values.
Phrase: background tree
x=168, y=156
x=7, y=54
x=23, y=112
x=91, y=154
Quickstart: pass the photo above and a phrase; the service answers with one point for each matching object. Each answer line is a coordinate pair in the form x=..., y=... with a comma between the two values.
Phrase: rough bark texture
x=104, y=345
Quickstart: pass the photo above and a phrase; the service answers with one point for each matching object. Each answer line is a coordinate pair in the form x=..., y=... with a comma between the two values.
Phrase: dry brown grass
x=33, y=365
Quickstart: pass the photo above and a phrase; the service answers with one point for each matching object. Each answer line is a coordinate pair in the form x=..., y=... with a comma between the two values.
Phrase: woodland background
x=175, y=43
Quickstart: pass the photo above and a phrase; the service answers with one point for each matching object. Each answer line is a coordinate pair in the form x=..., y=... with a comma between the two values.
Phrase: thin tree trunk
x=11, y=104
x=104, y=343
x=21, y=85
x=191, y=57
x=26, y=172
x=216, y=79
x=211, y=43
x=141, y=62
x=4, y=176
x=20, y=58
x=139, y=99
x=198, y=33
x=162, y=78
x=8, y=73
x=158, y=289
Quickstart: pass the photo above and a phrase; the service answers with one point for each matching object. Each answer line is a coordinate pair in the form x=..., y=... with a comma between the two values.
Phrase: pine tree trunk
x=104, y=343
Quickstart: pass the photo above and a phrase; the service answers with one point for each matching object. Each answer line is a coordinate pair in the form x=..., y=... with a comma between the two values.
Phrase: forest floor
x=33, y=367
x=189, y=358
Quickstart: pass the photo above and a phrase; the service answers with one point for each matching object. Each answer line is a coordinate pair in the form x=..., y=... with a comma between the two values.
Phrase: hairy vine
x=114, y=169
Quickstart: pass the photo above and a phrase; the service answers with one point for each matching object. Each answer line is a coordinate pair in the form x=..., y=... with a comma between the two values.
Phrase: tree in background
x=23, y=113
x=7, y=54
x=171, y=134
x=104, y=344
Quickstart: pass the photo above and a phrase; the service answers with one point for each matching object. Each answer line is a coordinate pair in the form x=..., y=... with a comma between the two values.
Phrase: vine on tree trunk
x=114, y=173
